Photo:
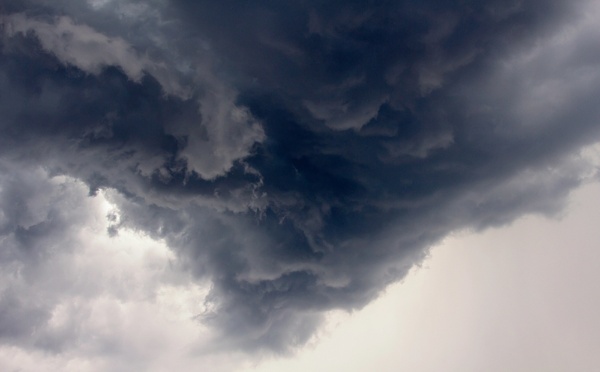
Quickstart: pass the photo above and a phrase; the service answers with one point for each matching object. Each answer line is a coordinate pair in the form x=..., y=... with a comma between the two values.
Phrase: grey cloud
x=213, y=138
x=322, y=147
x=79, y=45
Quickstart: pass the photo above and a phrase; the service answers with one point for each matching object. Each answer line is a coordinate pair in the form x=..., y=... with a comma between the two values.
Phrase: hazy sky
x=198, y=184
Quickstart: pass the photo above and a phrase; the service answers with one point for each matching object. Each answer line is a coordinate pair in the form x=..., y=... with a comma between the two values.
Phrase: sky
x=268, y=185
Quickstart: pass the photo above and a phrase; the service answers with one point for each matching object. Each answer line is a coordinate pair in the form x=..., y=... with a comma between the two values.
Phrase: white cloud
x=103, y=303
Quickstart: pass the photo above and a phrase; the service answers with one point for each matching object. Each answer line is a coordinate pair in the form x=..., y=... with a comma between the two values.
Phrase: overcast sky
x=187, y=184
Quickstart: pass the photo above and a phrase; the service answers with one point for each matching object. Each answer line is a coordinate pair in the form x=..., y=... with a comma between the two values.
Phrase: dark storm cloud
x=301, y=155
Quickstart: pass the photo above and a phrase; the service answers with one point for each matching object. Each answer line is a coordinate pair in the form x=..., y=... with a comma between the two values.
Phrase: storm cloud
x=297, y=156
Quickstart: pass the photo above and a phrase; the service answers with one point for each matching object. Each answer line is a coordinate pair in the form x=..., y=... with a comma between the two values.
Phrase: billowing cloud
x=294, y=158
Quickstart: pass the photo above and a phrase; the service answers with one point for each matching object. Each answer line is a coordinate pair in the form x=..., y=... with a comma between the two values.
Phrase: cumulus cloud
x=296, y=158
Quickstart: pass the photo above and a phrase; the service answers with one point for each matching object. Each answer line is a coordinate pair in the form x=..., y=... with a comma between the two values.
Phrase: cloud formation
x=298, y=157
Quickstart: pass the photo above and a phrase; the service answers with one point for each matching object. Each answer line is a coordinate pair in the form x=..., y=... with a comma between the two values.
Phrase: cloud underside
x=294, y=158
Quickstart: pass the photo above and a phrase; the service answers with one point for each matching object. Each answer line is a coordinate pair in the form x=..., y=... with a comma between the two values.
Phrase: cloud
x=74, y=298
x=298, y=157
x=212, y=138
x=79, y=45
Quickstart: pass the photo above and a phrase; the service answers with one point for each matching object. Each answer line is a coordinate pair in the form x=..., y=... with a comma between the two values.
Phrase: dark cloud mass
x=298, y=155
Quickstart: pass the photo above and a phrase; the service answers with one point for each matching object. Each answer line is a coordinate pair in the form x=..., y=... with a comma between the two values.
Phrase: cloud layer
x=297, y=157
